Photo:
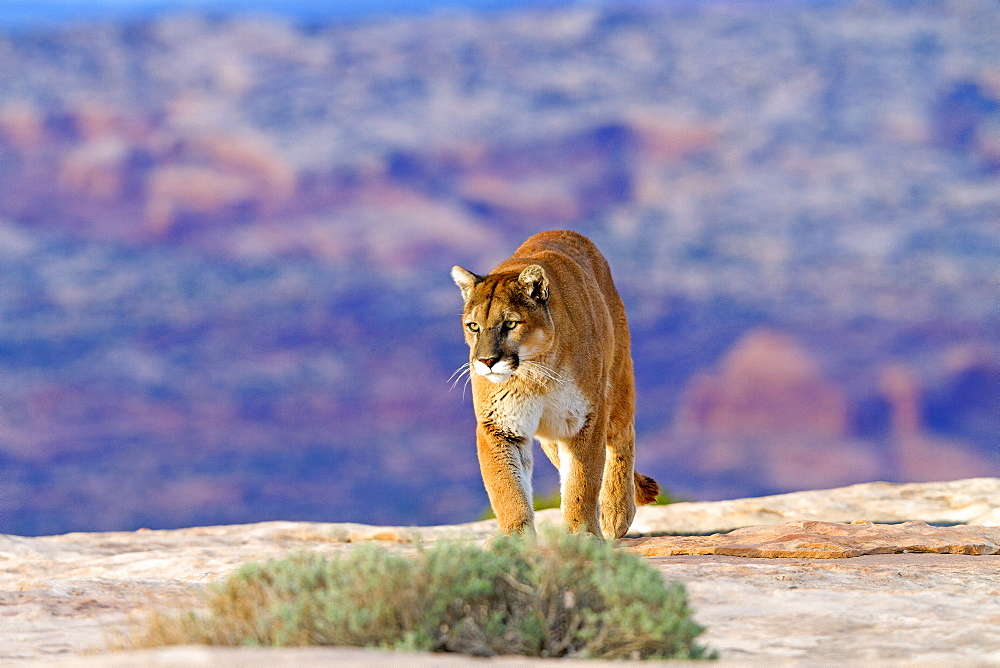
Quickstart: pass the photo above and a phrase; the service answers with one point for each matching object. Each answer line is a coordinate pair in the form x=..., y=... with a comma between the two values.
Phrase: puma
x=549, y=359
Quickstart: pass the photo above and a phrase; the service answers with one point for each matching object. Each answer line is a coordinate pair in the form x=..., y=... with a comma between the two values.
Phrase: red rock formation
x=213, y=174
x=93, y=121
x=665, y=140
x=251, y=157
x=920, y=457
x=23, y=126
x=550, y=200
x=902, y=390
x=767, y=385
x=95, y=169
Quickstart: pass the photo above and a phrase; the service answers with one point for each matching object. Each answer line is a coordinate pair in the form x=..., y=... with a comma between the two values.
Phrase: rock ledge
x=826, y=540
x=916, y=594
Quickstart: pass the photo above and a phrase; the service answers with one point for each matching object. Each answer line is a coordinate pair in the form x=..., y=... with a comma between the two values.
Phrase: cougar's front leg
x=505, y=461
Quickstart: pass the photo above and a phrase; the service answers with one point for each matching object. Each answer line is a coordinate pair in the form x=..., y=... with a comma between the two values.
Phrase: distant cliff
x=224, y=246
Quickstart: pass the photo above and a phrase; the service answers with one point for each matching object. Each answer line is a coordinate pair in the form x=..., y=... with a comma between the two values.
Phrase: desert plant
x=558, y=595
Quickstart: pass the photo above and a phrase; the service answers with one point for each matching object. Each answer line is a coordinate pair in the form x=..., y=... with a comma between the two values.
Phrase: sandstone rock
x=990, y=519
x=314, y=657
x=64, y=596
x=886, y=609
x=890, y=608
x=826, y=540
x=970, y=501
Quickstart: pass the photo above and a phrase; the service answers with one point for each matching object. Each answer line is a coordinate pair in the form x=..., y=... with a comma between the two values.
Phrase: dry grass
x=559, y=595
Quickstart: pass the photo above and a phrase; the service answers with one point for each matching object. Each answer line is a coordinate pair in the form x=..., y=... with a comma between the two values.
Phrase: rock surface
x=62, y=597
x=826, y=540
x=970, y=501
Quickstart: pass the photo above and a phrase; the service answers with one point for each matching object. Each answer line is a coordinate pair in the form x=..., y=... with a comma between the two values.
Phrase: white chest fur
x=564, y=412
x=556, y=415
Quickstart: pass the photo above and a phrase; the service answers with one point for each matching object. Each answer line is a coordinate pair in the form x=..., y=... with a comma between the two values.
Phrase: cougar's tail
x=646, y=489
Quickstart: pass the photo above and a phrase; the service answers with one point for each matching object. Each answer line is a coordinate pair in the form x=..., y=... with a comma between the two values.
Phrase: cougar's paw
x=616, y=521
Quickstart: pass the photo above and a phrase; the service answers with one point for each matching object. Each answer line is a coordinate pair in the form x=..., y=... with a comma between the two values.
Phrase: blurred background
x=226, y=230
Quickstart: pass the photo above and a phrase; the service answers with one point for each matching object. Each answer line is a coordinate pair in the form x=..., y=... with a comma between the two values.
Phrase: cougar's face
x=506, y=324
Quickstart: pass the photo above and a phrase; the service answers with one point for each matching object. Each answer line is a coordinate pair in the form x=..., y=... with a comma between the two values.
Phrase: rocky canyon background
x=225, y=241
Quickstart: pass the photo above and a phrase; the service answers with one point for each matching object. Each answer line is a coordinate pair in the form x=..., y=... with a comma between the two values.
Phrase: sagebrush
x=559, y=595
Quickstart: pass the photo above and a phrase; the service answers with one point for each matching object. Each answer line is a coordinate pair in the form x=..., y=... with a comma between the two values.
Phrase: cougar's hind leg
x=581, y=461
x=551, y=450
x=618, y=490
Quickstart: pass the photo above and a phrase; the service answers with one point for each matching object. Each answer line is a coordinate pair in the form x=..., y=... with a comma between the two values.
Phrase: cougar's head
x=506, y=319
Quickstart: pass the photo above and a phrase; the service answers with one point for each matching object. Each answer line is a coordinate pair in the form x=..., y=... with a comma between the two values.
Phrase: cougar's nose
x=489, y=361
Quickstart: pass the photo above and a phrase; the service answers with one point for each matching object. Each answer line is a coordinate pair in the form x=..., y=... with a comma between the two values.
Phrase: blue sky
x=28, y=13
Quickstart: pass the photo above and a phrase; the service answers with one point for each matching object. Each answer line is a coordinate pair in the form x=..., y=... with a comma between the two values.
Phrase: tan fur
x=549, y=353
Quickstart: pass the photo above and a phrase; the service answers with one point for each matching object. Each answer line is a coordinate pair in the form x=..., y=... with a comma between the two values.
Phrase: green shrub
x=558, y=595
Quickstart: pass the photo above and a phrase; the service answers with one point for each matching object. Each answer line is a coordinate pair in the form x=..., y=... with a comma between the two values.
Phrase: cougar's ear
x=465, y=280
x=535, y=282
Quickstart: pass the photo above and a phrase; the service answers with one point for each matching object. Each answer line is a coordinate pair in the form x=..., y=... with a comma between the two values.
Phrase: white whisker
x=458, y=371
x=457, y=380
x=536, y=370
x=544, y=371
x=457, y=376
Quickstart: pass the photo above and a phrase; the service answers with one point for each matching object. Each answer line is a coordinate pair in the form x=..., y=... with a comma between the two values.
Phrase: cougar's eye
x=472, y=327
x=510, y=324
